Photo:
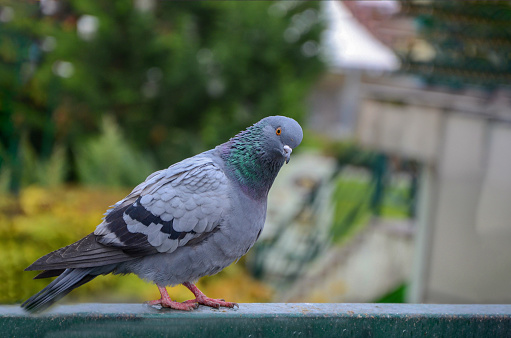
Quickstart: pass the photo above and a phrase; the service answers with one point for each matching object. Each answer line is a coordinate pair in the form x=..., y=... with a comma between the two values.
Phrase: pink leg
x=201, y=298
x=165, y=301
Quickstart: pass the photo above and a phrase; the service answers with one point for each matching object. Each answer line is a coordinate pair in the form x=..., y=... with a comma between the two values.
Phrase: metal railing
x=262, y=320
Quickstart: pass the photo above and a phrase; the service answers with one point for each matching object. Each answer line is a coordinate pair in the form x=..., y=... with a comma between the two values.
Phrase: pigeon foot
x=166, y=302
x=201, y=298
x=216, y=303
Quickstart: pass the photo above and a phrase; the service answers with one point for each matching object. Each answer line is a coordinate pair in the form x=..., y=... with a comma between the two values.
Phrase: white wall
x=464, y=241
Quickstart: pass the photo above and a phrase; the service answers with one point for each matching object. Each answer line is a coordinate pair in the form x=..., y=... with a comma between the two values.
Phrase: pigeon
x=190, y=220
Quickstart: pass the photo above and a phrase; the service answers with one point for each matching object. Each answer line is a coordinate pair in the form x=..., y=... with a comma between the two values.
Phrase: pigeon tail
x=61, y=286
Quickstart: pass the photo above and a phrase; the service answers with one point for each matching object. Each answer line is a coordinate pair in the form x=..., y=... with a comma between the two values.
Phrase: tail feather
x=49, y=273
x=61, y=286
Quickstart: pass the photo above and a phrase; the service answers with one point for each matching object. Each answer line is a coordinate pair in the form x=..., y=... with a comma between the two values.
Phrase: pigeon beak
x=287, y=153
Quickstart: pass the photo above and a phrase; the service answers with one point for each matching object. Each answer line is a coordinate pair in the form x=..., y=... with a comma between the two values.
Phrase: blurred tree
x=19, y=104
x=178, y=77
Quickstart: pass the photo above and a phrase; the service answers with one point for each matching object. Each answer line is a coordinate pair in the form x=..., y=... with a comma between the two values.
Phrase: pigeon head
x=255, y=155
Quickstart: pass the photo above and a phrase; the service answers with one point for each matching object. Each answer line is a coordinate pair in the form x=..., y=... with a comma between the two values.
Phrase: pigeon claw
x=211, y=302
x=201, y=298
x=167, y=303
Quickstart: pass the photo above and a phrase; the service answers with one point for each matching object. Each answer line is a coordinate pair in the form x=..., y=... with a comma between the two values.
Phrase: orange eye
x=278, y=131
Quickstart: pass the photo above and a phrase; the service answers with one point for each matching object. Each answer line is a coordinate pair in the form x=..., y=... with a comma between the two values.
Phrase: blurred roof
x=348, y=44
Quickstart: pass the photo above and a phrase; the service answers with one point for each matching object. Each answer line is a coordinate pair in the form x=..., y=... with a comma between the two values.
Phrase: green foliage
x=351, y=206
x=352, y=203
x=47, y=172
x=398, y=295
x=109, y=160
x=347, y=152
x=365, y=186
x=179, y=78
x=396, y=201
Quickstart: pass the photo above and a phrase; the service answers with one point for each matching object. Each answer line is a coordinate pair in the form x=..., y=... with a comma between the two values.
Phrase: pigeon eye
x=278, y=131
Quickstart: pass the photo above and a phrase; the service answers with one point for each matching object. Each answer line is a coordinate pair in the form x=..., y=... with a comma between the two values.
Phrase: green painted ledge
x=261, y=320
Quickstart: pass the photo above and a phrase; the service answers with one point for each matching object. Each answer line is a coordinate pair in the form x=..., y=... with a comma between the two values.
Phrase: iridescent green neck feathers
x=249, y=162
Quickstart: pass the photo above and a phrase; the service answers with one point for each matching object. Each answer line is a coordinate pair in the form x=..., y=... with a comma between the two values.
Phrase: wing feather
x=85, y=253
x=169, y=210
x=181, y=205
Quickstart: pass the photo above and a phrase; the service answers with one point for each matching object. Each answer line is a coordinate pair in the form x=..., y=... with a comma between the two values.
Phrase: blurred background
x=400, y=192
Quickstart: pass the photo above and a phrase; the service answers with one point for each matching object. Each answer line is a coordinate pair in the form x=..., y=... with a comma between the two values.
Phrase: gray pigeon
x=190, y=220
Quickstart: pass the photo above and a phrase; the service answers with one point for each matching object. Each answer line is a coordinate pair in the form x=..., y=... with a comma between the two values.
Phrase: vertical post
x=426, y=206
x=379, y=176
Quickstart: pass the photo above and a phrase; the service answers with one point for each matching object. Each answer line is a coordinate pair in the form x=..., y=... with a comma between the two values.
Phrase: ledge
x=258, y=320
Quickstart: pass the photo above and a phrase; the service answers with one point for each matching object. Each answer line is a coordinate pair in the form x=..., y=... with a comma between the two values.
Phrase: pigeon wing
x=183, y=204
x=174, y=207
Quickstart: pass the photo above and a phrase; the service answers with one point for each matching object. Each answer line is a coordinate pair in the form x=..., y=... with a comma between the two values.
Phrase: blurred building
x=433, y=87
x=354, y=57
